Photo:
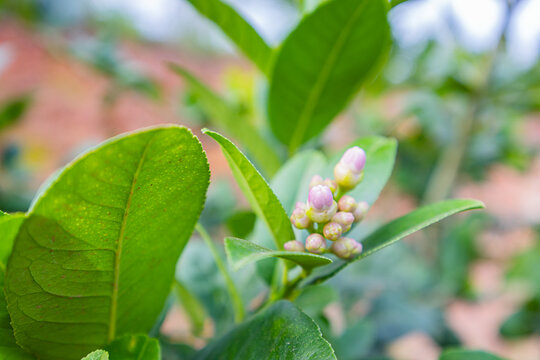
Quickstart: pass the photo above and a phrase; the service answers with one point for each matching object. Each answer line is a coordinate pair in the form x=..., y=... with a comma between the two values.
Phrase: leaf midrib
x=118, y=252
x=300, y=130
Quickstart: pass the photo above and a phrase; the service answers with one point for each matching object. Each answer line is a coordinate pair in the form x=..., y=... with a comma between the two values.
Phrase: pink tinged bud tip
x=346, y=248
x=301, y=205
x=345, y=177
x=299, y=219
x=347, y=203
x=294, y=245
x=355, y=159
x=360, y=211
x=320, y=198
x=344, y=219
x=315, y=243
x=315, y=180
x=322, y=216
x=332, y=231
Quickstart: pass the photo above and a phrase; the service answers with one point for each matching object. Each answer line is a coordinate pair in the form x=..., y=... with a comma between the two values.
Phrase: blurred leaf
x=525, y=321
x=13, y=110
x=255, y=188
x=94, y=227
x=279, y=332
x=397, y=229
x=322, y=64
x=227, y=118
x=467, y=355
x=237, y=29
x=313, y=299
x=9, y=227
x=134, y=347
x=355, y=342
x=191, y=306
x=241, y=252
x=523, y=268
x=241, y=223
x=397, y=2
x=97, y=355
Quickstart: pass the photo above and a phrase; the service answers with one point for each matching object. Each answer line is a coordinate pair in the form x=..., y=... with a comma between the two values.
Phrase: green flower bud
x=331, y=184
x=315, y=243
x=294, y=245
x=332, y=231
x=299, y=219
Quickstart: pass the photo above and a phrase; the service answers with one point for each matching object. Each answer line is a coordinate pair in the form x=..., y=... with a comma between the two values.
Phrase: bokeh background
x=460, y=91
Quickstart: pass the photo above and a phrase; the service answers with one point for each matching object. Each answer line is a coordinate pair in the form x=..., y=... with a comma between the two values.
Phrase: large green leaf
x=397, y=229
x=468, y=355
x=134, y=347
x=322, y=64
x=237, y=29
x=95, y=258
x=241, y=252
x=280, y=332
x=255, y=188
x=97, y=355
x=9, y=227
x=226, y=118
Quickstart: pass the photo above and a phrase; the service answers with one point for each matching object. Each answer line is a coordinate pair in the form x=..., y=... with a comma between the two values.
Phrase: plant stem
x=238, y=304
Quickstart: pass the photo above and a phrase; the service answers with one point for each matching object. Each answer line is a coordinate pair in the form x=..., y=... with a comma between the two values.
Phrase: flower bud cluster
x=329, y=214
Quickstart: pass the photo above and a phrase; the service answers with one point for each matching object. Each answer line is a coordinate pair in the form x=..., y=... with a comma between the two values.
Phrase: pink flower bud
x=300, y=205
x=294, y=245
x=360, y=211
x=354, y=158
x=315, y=180
x=347, y=203
x=322, y=217
x=315, y=243
x=332, y=231
x=331, y=184
x=345, y=177
x=320, y=198
x=299, y=219
x=346, y=248
x=344, y=219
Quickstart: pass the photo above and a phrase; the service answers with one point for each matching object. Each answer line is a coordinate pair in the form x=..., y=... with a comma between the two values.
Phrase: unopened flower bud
x=316, y=180
x=294, y=245
x=348, y=172
x=346, y=248
x=301, y=205
x=347, y=203
x=360, y=211
x=299, y=219
x=344, y=219
x=320, y=198
x=315, y=243
x=331, y=184
x=332, y=231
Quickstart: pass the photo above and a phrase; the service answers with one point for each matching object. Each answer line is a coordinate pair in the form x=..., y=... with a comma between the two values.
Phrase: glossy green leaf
x=225, y=117
x=134, y=347
x=237, y=29
x=322, y=64
x=255, y=188
x=9, y=227
x=280, y=332
x=95, y=258
x=397, y=229
x=468, y=355
x=97, y=355
x=241, y=252
x=380, y=158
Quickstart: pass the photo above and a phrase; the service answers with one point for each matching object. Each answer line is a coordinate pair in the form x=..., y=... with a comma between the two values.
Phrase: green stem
x=231, y=287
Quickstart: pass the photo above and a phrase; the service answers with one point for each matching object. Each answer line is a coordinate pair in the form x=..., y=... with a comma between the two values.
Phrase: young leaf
x=467, y=355
x=228, y=119
x=97, y=355
x=380, y=155
x=191, y=306
x=134, y=347
x=9, y=227
x=241, y=252
x=398, y=229
x=279, y=332
x=237, y=29
x=95, y=258
x=322, y=64
x=261, y=198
